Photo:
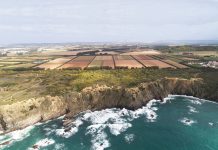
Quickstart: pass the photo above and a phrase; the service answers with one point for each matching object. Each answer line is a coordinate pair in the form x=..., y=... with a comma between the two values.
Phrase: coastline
x=63, y=116
x=94, y=98
x=148, y=109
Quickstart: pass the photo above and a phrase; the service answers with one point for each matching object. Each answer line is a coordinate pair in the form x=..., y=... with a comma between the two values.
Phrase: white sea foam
x=197, y=102
x=117, y=120
x=104, y=116
x=61, y=132
x=73, y=130
x=14, y=136
x=124, y=112
x=166, y=99
x=45, y=142
x=39, y=123
x=54, y=126
x=2, y=137
x=121, y=116
x=100, y=142
x=42, y=143
x=95, y=128
x=19, y=135
x=192, y=109
x=129, y=138
x=59, y=146
x=192, y=99
x=99, y=137
x=210, y=123
x=147, y=110
x=116, y=129
x=150, y=114
x=187, y=121
x=61, y=117
x=48, y=131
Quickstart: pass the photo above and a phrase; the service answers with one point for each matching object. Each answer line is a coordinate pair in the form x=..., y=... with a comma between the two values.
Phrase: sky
x=57, y=21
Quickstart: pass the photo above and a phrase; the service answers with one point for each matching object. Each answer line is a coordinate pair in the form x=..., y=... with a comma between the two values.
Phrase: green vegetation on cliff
x=185, y=48
x=22, y=85
x=27, y=97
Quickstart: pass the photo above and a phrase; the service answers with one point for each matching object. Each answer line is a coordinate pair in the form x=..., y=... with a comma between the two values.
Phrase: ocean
x=177, y=123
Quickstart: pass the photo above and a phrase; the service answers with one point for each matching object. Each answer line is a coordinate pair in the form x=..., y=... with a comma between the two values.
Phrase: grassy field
x=25, y=65
x=206, y=53
x=8, y=63
x=185, y=48
x=21, y=85
x=20, y=81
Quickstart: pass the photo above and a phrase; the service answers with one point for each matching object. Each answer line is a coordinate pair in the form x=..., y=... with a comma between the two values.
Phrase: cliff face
x=100, y=97
x=24, y=113
x=28, y=112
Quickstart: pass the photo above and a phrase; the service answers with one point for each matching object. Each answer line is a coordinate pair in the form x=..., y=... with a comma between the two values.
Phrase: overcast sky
x=47, y=21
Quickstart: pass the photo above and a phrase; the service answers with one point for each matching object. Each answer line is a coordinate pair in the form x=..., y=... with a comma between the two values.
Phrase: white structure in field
x=212, y=64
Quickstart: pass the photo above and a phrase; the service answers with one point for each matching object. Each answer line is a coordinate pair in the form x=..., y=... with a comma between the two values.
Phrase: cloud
x=110, y=20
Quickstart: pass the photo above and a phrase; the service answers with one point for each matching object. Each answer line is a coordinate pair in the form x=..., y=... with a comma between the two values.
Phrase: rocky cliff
x=27, y=112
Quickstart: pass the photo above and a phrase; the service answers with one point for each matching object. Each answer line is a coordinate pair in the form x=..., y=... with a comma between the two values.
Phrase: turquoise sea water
x=179, y=123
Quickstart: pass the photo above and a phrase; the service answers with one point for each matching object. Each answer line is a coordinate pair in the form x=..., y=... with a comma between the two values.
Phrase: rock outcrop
x=27, y=112
x=24, y=113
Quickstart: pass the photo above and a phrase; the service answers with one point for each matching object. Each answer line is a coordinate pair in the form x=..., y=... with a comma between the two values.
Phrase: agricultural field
x=126, y=61
x=65, y=53
x=158, y=63
x=80, y=62
x=102, y=62
x=21, y=62
x=142, y=52
x=173, y=63
x=15, y=59
x=107, y=53
x=24, y=65
x=168, y=60
x=142, y=57
x=111, y=57
x=122, y=57
x=151, y=62
x=201, y=53
x=5, y=62
x=186, y=48
x=93, y=62
x=55, y=63
x=187, y=61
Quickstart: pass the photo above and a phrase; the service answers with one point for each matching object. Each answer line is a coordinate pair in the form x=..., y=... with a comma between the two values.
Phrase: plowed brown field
x=55, y=63
x=79, y=62
x=102, y=61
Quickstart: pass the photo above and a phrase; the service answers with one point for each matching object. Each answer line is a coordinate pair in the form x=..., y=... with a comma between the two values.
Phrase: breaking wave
x=100, y=127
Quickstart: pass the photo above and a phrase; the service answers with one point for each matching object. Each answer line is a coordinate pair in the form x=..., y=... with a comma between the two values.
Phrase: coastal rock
x=24, y=113
x=21, y=114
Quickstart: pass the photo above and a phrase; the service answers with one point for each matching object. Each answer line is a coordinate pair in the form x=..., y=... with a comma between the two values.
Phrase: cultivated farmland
x=126, y=61
x=142, y=52
x=55, y=63
x=25, y=65
x=80, y=62
x=169, y=60
x=173, y=63
x=102, y=62
x=91, y=62
x=65, y=53
x=151, y=62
